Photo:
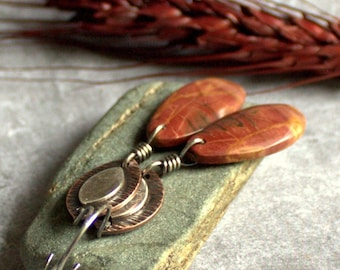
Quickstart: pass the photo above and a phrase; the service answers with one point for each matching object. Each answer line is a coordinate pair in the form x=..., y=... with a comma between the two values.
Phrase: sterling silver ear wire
x=120, y=195
x=167, y=165
x=91, y=212
x=91, y=217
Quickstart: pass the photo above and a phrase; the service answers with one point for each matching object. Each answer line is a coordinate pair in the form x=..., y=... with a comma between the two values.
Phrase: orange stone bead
x=252, y=133
x=193, y=107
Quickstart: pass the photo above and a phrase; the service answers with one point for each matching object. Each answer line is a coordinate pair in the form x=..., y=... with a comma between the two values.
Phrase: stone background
x=286, y=217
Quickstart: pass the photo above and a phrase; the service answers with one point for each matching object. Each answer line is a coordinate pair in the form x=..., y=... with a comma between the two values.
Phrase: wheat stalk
x=229, y=35
x=257, y=35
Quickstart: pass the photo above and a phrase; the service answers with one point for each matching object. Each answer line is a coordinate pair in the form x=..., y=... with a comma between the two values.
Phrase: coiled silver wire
x=143, y=150
x=173, y=161
x=167, y=165
x=140, y=153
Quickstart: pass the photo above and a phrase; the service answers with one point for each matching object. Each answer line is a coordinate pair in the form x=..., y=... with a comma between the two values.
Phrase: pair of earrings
x=118, y=197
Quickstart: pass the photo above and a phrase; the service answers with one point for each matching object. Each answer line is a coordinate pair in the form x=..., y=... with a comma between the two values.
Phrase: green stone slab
x=195, y=199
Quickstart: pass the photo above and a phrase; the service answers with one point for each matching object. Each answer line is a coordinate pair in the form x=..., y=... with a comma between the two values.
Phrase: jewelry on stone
x=118, y=197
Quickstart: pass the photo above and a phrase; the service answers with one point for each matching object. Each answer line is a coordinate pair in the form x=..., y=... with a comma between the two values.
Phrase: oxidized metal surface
x=102, y=186
x=132, y=176
x=249, y=134
x=150, y=209
x=135, y=204
x=192, y=108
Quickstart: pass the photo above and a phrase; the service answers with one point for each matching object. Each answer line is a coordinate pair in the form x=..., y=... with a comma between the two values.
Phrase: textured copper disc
x=150, y=209
x=132, y=180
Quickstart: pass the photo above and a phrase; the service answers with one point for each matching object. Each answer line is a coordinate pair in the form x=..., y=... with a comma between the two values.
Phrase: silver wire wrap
x=143, y=150
x=173, y=161
x=140, y=153
x=167, y=165
x=187, y=148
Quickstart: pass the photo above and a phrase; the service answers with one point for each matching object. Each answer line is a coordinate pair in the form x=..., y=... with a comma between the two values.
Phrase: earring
x=118, y=196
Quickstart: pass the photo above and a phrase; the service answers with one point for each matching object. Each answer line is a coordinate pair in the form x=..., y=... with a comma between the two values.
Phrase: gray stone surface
x=286, y=217
x=195, y=198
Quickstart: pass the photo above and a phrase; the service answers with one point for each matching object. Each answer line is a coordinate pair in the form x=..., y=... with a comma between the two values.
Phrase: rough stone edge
x=73, y=164
x=184, y=248
x=183, y=252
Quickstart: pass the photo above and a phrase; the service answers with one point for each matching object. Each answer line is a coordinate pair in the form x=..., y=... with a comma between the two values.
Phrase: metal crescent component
x=136, y=204
x=146, y=213
x=122, y=196
x=102, y=186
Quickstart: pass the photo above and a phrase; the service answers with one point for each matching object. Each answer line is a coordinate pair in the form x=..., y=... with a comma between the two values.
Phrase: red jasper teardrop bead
x=249, y=134
x=192, y=108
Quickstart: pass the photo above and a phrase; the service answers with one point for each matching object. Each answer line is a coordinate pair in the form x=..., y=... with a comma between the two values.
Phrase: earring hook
x=92, y=216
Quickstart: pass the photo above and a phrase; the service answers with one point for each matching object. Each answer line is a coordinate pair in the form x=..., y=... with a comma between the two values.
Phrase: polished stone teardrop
x=248, y=134
x=192, y=108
